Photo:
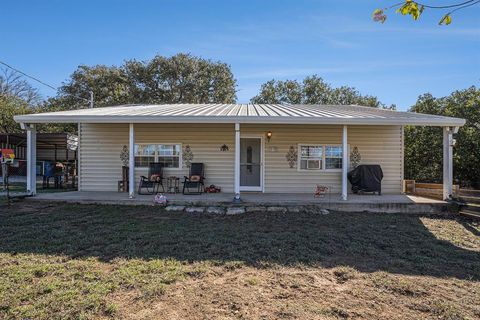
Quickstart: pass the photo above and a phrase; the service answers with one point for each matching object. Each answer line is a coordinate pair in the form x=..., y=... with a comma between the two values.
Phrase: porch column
x=31, y=159
x=344, y=163
x=131, y=161
x=447, y=163
x=237, y=164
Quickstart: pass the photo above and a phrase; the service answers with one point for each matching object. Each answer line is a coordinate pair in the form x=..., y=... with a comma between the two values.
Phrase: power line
x=46, y=84
x=28, y=76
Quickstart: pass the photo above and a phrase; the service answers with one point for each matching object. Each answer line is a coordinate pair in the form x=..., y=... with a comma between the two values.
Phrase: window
x=168, y=154
x=320, y=157
x=333, y=157
x=311, y=157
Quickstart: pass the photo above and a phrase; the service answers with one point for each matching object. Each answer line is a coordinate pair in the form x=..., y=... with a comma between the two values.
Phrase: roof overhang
x=39, y=118
x=242, y=113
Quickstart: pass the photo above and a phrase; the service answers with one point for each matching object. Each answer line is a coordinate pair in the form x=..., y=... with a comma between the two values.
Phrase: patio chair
x=154, y=179
x=194, y=180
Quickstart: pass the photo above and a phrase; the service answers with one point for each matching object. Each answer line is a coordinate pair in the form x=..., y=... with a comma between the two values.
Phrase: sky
x=261, y=40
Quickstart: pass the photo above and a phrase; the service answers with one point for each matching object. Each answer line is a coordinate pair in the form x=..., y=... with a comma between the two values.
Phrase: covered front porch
x=291, y=149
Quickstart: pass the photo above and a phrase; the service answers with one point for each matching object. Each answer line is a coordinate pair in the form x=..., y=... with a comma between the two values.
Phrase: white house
x=271, y=148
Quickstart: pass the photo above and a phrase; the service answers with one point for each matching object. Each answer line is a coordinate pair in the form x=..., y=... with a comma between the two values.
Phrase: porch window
x=311, y=157
x=168, y=154
x=333, y=157
x=320, y=157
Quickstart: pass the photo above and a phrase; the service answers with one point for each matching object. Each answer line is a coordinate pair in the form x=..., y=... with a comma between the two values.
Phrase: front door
x=251, y=171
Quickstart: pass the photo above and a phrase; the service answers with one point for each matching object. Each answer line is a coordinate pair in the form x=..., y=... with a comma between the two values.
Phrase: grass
x=64, y=261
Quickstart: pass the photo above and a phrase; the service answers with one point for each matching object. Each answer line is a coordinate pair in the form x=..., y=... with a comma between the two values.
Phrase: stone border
x=235, y=210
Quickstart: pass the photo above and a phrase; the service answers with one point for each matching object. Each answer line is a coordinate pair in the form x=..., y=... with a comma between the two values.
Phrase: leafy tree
x=313, y=90
x=415, y=10
x=423, y=145
x=11, y=106
x=178, y=79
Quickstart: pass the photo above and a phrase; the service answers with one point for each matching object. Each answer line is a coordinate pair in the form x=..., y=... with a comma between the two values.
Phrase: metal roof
x=241, y=113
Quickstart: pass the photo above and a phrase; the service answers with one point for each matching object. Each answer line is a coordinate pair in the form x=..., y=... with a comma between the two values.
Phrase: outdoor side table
x=173, y=184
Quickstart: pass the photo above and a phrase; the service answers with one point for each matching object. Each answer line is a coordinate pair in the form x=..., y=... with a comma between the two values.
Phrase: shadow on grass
x=367, y=242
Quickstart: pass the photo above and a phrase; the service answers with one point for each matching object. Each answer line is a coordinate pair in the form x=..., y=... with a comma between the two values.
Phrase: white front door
x=251, y=164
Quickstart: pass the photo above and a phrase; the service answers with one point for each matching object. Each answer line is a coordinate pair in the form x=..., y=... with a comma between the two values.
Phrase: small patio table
x=173, y=184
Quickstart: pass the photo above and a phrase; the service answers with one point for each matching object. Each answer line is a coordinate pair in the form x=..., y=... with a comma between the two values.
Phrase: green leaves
x=411, y=8
x=415, y=10
x=447, y=19
x=313, y=90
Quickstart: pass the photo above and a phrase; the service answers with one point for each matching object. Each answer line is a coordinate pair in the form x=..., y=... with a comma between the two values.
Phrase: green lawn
x=60, y=261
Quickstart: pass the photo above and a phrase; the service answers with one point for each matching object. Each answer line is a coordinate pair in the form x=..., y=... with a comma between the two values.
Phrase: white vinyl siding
x=101, y=145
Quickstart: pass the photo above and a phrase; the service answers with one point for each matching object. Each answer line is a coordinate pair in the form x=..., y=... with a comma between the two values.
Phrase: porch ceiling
x=242, y=113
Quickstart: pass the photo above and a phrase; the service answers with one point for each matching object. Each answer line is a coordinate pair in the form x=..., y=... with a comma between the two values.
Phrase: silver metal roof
x=241, y=113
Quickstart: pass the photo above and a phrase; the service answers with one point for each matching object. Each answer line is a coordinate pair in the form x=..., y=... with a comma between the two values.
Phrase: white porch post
x=131, y=161
x=31, y=159
x=237, y=164
x=447, y=163
x=344, y=163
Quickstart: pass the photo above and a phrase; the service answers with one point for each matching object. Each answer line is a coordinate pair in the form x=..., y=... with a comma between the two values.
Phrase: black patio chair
x=154, y=179
x=194, y=180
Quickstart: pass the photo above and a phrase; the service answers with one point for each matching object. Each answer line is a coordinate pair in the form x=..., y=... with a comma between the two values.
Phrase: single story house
x=271, y=148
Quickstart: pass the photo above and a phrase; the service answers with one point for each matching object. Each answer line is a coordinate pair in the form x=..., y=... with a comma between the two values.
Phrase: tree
x=423, y=145
x=11, y=106
x=17, y=96
x=13, y=84
x=313, y=90
x=178, y=79
x=415, y=10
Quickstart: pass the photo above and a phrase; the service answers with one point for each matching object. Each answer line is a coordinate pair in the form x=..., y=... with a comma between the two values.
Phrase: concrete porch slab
x=398, y=203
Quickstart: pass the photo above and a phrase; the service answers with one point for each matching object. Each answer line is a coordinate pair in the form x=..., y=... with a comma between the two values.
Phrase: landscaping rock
x=174, y=208
x=277, y=209
x=216, y=210
x=235, y=210
x=195, y=209
x=324, y=211
x=296, y=209
x=256, y=209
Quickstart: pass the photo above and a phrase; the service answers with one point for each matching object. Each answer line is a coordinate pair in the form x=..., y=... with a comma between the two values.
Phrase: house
x=271, y=148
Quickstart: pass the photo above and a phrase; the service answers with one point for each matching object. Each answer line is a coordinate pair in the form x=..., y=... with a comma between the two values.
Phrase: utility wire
x=38, y=80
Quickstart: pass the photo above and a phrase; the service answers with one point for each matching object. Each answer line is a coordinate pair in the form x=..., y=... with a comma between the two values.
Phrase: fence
x=435, y=190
